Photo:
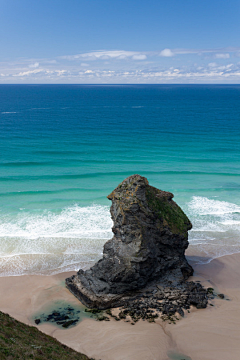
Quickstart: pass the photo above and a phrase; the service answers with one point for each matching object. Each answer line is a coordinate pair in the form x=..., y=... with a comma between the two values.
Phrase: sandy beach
x=208, y=334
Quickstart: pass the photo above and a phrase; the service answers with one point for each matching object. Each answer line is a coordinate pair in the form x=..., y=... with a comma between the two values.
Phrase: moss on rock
x=169, y=213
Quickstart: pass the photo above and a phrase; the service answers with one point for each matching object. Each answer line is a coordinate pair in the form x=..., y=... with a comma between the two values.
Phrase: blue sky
x=99, y=41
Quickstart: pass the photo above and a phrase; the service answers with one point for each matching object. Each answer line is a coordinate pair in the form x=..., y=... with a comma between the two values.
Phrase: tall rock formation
x=150, y=238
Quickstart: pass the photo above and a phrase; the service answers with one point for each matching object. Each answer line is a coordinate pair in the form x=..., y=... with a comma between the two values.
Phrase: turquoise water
x=64, y=148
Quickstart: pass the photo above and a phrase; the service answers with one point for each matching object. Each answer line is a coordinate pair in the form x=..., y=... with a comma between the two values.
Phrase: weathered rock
x=150, y=238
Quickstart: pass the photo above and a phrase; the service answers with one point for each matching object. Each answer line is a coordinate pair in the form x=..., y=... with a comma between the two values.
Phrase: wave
x=116, y=173
x=9, y=112
x=49, y=242
x=40, y=108
x=216, y=227
x=44, y=264
x=76, y=222
x=47, y=192
x=62, y=162
x=204, y=206
x=27, y=163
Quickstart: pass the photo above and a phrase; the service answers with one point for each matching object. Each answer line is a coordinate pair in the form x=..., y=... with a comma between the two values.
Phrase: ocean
x=64, y=148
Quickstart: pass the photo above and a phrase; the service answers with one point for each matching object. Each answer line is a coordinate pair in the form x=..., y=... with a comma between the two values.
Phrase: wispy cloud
x=212, y=72
x=121, y=66
x=144, y=55
x=39, y=71
x=139, y=57
x=27, y=73
x=106, y=55
x=222, y=56
x=218, y=53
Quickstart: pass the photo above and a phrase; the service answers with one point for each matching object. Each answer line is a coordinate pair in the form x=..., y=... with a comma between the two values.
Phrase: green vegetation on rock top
x=167, y=210
x=23, y=342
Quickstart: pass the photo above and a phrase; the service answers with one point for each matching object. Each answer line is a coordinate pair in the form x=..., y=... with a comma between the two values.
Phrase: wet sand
x=208, y=334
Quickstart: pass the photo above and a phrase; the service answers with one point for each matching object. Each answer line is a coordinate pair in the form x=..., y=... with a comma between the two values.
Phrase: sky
x=119, y=41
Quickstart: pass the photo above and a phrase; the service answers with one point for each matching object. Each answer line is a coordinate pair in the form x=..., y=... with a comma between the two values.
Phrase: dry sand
x=208, y=334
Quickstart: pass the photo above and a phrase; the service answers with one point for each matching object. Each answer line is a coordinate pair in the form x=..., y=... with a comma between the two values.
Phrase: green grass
x=20, y=341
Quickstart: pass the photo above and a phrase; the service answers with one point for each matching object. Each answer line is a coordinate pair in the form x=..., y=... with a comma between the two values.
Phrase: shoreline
x=194, y=260
x=205, y=334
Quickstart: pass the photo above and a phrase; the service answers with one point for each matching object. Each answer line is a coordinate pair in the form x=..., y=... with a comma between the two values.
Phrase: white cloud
x=139, y=57
x=50, y=61
x=27, y=73
x=120, y=66
x=60, y=72
x=38, y=71
x=218, y=53
x=226, y=68
x=212, y=64
x=35, y=65
x=106, y=55
x=222, y=56
x=166, y=53
x=182, y=74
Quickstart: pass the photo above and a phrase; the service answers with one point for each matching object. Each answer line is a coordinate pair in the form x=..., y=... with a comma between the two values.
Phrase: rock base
x=165, y=299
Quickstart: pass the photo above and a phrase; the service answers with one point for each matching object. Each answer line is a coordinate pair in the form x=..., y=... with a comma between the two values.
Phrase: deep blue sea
x=64, y=148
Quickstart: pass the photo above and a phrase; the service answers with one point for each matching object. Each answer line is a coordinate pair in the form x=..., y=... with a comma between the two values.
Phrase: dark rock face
x=150, y=238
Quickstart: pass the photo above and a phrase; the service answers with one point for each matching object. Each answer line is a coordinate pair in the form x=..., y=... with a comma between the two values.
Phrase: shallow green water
x=66, y=312
x=178, y=356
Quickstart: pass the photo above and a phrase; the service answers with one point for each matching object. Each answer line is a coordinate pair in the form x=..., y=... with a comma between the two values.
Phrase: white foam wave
x=231, y=222
x=49, y=243
x=216, y=227
x=47, y=264
x=75, y=222
x=9, y=112
x=204, y=206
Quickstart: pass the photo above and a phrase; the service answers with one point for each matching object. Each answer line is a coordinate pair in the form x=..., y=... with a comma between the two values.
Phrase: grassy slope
x=20, y=341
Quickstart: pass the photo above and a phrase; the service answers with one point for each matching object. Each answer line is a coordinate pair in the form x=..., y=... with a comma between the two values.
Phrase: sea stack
x=150, y=238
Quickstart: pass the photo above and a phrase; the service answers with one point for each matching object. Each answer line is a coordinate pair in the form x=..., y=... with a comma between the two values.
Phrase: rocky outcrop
x=150, y=238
